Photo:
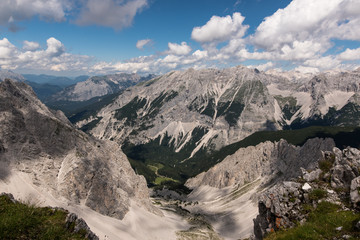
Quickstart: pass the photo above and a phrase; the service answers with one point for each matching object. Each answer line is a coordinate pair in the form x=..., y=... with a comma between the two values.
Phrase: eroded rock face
x=280, y=206
x=63, y=161
x=346, y=167
x=79, y=226
x=279, y=160
x=355, y=191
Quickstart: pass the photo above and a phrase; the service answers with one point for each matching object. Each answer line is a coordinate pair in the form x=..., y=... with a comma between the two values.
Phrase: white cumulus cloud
x=178, y=49
x=142, y=43
x=31, y=46
x=220, y=29
x=18, y=10
x=7, y=49
x=116, y=14
x=110, y=13
x=54, y=57
x=323, y=63
x=350, y=54
x=54, y=47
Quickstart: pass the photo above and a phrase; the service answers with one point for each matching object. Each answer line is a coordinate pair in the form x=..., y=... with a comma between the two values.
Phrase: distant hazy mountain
x=11, y=75
x=54, y=80
x=99, y=86
x=44, y=90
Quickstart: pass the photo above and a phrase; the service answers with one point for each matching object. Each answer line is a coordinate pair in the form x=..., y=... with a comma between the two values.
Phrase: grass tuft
x=322, y=224
x=21, y=221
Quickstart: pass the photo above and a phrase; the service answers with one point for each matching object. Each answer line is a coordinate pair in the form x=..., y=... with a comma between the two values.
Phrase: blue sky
x=67, y=37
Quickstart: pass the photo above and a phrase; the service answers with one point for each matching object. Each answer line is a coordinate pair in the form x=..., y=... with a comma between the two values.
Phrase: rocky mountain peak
x=62, y=162
x=11, y=75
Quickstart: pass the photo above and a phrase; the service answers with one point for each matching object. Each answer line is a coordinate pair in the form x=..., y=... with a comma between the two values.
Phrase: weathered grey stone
x=346, y=167
x=77, y=225
x=272, y=161
x=306, y=187
x=64, y=161
x=312, y=176
x=276, y=211
x=343, y=175
x=99, y=86
x=355, y=191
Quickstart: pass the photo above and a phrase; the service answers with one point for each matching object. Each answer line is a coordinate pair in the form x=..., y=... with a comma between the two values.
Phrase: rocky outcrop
x=63, y=161
x=334, y=179
x=346, y=167
x=76, y=225
x=4, y=74
x=269, y=161
x=355, y=192
x=279, y=207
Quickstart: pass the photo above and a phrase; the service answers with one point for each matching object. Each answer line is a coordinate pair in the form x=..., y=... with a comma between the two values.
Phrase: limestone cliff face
x=63, y=161
x=268, y=160
x=211, y=108
x=336, y=177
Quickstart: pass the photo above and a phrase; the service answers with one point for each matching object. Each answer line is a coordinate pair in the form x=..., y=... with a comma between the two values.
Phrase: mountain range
x=199, y=131
x=182, y=115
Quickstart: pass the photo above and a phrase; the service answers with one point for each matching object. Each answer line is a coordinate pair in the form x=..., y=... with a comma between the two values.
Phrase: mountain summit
x=211, y=108
x=40, y=148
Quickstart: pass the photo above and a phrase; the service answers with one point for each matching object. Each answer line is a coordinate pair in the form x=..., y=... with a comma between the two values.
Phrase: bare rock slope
x=62, y=161
x=268, y=160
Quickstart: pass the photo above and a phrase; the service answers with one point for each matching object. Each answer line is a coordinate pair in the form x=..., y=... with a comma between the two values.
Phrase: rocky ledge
x=336, y=179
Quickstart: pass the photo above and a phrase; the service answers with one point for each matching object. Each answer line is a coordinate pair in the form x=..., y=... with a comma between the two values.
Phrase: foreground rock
x=335, y=180
x=227, y=193
x=42, y=146
x=73, y=224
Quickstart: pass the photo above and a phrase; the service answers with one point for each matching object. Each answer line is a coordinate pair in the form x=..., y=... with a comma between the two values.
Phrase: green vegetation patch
x=87, y=127
x=317, y=194
x=20, y=221
x=161, y=180
x=148, y=157
x=178, y=165
x=322, y=224
x=327, y=163
x=148, y=83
